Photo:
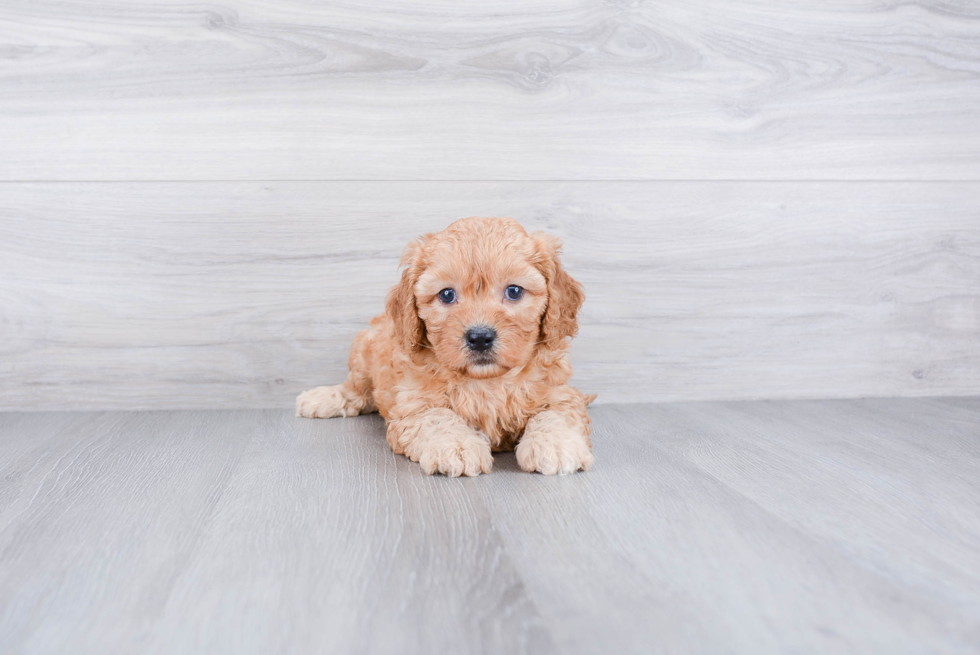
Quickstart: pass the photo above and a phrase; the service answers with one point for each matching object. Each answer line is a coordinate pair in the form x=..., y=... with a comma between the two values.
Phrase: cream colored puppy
x=471, y=355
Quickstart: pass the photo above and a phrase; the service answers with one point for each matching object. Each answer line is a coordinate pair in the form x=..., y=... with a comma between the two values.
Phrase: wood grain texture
x=171, y=295
x=255, y=532
x=500, y=90
x=759, y=527
x=766, y=527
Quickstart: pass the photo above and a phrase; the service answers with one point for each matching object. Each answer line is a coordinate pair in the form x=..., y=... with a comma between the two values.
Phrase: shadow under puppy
x=470, y=355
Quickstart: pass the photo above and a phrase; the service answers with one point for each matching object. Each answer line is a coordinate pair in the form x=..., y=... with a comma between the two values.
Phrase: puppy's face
x=481, y=301
x=482, y=294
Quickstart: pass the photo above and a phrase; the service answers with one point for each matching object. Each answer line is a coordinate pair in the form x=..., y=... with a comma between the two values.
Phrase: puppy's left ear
x=402, y=306
x=565, y=295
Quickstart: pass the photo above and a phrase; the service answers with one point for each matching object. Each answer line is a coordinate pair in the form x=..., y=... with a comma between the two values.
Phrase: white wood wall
x=200, y=205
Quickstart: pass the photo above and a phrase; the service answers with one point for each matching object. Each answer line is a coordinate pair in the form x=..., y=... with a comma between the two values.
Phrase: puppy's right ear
x=401, y=305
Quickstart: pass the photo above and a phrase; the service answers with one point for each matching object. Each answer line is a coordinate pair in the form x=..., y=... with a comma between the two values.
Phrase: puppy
x=470, y=355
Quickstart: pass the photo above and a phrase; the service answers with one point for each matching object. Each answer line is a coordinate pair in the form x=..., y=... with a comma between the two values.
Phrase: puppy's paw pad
x=322, y=402
x=469, y=457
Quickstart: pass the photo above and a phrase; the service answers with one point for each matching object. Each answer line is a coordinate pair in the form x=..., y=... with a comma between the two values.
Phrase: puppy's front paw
x=551, y=446
x=455, y=455
x=441, y=443
x=322, y=402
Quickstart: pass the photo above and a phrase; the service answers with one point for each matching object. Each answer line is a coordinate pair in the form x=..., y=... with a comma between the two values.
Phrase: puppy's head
x=483, y=294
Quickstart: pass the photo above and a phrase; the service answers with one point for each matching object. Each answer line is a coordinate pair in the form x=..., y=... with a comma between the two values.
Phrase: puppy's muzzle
x=480, y=339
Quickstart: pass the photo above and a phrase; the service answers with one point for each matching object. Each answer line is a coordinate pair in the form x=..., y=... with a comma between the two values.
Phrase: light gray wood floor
x=806, y=526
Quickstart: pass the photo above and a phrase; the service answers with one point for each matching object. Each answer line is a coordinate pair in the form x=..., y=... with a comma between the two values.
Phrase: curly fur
x=443, y=408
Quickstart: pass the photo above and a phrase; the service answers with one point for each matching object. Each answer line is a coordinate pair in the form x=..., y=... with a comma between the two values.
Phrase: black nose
x=480, y=339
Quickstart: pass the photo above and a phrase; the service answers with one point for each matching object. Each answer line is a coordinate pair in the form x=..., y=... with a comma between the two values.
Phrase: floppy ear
x=565, y=295
x=401, y=305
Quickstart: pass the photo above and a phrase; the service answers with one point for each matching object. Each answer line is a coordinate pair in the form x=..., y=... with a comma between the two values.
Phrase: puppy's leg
x=441, y=442
x=556, y=440
x=351, y=398
x=337, y=400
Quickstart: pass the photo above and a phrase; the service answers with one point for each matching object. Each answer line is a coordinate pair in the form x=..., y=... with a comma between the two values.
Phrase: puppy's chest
x=498, y=407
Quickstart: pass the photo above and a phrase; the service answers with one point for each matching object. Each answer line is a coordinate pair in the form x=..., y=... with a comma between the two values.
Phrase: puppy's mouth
x=482, y=359
x=484, y=365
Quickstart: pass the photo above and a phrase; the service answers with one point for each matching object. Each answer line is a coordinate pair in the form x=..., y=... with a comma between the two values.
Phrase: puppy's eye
x=514, y=292
x=447, y=296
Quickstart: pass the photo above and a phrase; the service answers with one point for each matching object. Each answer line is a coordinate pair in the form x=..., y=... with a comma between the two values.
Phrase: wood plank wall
x=200, y=205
